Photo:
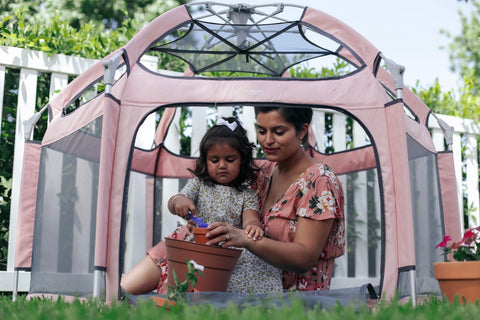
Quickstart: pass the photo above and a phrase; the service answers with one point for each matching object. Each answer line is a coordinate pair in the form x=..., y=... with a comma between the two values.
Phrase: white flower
x=302, y=185
x=327, y=201
x=197, y=266
x=302, y=212
x=276, y=207
x=333, y=178
x=321, y=169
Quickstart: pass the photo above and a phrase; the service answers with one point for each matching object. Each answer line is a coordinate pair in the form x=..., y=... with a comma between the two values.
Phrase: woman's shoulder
x=322, y=172
x=320, y=169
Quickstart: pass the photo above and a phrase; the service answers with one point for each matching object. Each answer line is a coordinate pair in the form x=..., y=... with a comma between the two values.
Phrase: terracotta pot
x=459, y=278
x=218, y=262
x=161, y=302
x=199, y=234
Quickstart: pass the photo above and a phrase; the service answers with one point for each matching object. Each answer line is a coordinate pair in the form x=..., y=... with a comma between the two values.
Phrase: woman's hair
x=297, y=116
x=237, y=139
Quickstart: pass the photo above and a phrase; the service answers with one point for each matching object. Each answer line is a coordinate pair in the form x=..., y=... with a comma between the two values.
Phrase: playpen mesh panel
x=427, y=217
x=63, y=245
x=222, y=47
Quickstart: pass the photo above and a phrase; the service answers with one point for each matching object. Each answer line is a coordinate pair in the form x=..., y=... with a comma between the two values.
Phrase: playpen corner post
x=15, y=285
x=413, y=286
x=99, y=284
x=109, y=67
x=99, y=275
x=397, y=71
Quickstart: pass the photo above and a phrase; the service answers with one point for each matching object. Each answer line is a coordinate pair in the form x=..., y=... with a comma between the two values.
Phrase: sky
x=406, y=31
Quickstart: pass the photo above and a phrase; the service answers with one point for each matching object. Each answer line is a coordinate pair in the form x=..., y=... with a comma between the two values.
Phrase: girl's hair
x=297, y=116
x=236, y=139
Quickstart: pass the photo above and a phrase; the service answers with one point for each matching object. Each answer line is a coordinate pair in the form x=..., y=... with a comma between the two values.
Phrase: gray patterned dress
x=215, y=202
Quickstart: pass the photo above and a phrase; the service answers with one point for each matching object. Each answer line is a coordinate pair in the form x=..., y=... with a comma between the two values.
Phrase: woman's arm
x=298, y=256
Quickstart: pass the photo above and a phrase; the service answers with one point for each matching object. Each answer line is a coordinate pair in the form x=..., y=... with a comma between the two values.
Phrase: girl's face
x=277, y=137
x=223, y=163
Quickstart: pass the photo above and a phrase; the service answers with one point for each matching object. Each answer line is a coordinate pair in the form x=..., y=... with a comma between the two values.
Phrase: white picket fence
x=60, y=67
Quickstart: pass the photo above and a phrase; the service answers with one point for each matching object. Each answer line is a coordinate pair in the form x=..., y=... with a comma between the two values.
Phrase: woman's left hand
x=226, y=235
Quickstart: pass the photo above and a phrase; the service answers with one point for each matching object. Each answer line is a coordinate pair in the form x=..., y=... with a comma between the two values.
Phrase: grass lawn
x=45, y=309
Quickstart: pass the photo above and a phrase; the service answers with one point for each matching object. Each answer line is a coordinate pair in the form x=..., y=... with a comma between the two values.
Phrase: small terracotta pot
x=161, y=302
x=199, y=234
x=459, y=278
x=218, y=262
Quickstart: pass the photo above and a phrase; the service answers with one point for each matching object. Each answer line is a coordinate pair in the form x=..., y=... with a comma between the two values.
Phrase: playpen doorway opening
x=147, y=220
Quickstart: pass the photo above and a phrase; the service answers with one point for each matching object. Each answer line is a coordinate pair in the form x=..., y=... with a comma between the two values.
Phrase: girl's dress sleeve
x=250, y=200
x=192, y=189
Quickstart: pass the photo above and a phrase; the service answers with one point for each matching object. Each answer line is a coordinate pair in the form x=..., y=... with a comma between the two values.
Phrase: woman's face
x=277, y=137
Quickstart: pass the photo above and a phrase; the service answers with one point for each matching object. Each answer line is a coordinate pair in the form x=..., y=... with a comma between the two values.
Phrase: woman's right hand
x=227, y=235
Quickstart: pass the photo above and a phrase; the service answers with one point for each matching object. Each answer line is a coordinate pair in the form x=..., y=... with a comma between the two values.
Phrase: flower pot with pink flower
x=460, y=278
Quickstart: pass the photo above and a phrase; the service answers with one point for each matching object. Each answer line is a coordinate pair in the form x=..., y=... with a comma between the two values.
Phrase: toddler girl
x=220, y=191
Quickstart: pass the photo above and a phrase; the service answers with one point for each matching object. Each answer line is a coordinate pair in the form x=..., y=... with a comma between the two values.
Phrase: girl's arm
x=180, y=205
x=251, y=224
x=250, y=218
x=298, y=256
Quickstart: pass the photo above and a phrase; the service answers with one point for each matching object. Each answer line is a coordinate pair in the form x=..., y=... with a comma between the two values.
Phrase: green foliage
x=464, y=102
x=110, y=13
x=5, y=193
x=178, y=291
x=90, y=40
x=465, y=47
x=7, y=141
x=339, y=67
x=464, y=52
x=146, y=310
x=185, y=140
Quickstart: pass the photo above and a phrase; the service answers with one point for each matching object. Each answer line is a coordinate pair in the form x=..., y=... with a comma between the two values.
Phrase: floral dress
x=316, y=194
x=215, y=202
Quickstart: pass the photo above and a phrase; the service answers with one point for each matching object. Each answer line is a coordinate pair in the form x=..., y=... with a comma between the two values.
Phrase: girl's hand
x=182, y=206
x=190, y=225
x=226, y=235
x=254, y=232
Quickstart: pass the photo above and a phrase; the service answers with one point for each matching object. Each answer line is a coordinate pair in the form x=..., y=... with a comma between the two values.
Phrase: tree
x=465, y=47
x=464, y=51
x=110, y=13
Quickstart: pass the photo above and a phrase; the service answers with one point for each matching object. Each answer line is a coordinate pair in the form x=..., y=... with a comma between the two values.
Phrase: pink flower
x=443, y=244
x=467, y=249
x=468, y=234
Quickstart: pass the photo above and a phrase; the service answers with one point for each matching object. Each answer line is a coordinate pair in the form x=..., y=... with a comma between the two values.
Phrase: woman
x=301, y=202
